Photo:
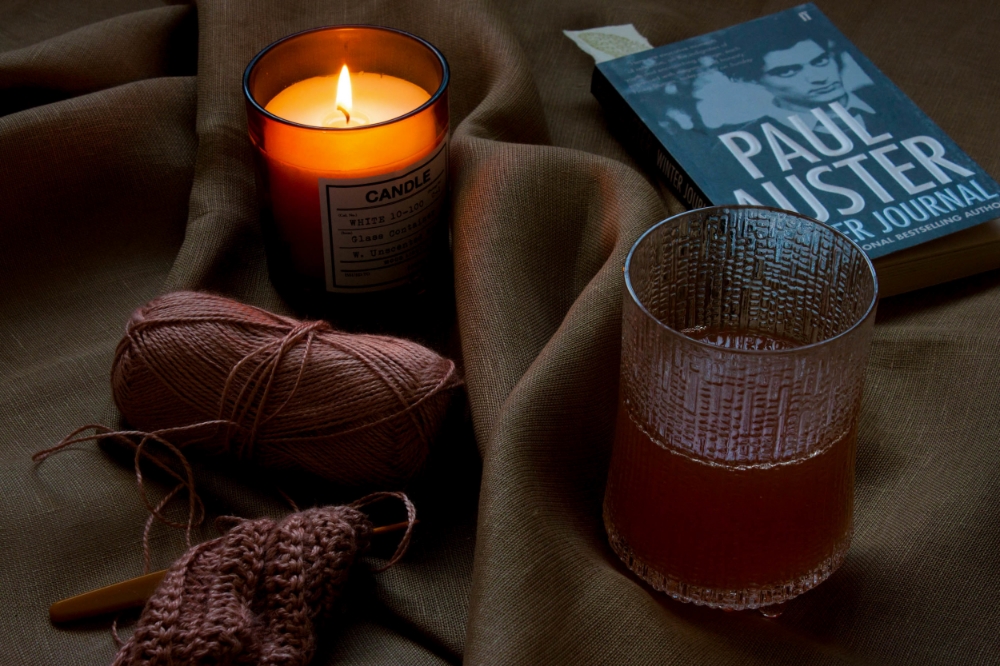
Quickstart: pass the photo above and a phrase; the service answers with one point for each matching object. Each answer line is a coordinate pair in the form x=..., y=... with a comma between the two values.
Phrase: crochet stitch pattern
x=253, y=595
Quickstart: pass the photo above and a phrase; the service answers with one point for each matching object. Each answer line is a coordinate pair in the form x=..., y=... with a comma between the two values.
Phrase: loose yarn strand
x=196, y=508
x=284, y=347
x=104, y=432
x=298, y=381
x=243, y=401
x=411, y=521
x=187, y=482
x=147, y=551
x=256, y=384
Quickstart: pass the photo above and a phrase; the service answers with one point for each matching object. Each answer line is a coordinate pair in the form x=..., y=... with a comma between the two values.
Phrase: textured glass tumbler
x=745, y=336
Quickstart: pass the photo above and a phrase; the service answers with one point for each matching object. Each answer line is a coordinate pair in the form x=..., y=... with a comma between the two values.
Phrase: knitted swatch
x=255, y=594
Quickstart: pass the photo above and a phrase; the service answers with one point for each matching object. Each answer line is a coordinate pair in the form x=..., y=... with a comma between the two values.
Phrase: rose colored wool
x=255, y=595
x=359, y=410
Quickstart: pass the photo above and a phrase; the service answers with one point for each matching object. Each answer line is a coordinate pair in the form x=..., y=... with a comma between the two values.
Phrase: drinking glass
x=745, y=335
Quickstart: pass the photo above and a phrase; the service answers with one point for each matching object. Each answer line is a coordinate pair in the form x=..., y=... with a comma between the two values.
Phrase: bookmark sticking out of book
x=609, y=42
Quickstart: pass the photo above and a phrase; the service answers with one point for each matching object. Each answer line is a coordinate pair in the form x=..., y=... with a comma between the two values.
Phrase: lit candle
x=347, y=100
x=352, y=165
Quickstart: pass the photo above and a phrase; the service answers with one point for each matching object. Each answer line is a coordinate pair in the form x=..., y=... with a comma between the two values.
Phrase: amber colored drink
x=745, y=336
x=727, y=534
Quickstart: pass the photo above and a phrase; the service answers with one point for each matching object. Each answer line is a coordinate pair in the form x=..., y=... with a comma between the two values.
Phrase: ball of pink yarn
x=359, y=410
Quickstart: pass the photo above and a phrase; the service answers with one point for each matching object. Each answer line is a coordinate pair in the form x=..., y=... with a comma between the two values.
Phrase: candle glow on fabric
x=358, y=148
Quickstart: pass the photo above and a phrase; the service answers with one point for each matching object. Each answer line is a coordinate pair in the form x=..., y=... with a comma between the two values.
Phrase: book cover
x=785, y=111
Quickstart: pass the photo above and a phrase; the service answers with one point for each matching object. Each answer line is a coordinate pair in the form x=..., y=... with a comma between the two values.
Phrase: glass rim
x=445, y=77
x=763, y=352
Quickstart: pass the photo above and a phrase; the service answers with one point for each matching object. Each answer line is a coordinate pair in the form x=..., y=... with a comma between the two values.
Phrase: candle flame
x=344, y=98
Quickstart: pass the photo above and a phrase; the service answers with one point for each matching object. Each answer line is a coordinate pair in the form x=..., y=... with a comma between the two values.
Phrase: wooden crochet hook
x=131, y=593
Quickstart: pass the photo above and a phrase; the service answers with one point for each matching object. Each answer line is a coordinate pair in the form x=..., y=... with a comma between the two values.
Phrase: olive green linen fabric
x=125, y=172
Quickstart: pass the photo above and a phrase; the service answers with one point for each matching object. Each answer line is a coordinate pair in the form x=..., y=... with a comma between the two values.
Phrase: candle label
x=378, y=231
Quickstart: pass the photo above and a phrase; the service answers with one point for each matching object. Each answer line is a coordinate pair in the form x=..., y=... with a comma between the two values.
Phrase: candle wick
x=346, y=113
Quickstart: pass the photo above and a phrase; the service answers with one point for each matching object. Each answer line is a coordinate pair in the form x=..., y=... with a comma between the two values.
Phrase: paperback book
x=785, y=111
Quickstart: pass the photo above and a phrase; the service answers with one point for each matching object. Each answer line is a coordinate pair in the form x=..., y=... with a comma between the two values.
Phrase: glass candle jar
x=352, y=191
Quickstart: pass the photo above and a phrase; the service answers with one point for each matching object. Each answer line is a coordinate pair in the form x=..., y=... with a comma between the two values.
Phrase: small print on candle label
x=378, y=231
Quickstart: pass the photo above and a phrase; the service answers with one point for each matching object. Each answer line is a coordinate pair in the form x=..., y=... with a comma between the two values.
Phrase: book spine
x=643, y=144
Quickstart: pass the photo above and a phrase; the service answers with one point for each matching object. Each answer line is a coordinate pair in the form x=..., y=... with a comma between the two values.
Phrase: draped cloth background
x=125, y=172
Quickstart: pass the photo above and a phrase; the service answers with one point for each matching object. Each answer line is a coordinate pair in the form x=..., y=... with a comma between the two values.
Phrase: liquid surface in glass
x=733, y=339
